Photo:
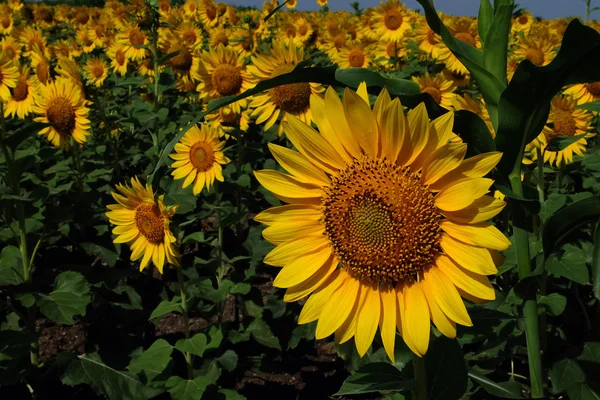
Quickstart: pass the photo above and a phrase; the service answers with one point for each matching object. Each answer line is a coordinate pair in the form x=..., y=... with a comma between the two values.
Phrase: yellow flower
x=10, y=48
x=20, y=102
x=353, y=55
x=198, y=158
x=241, y=42
x=522, y=23
x=219, y=36
x=9, y=75
x=208, y=14
x=189, y=34
x=96, y=70
x=143, y=223
x=390, y=21
x=291, y=4
x=564, y=120
x=6, y=20
x=118, y=60
x=61, y=105
x=584, y=92
x=322, y=3
x=34, y=41
x=226, y=120
x=291, y=99
x=41, y=65
x=386, y=225
x=133, y=37
x=466, y=102
x=440, y=88
x=539, y=50
x=428, y=40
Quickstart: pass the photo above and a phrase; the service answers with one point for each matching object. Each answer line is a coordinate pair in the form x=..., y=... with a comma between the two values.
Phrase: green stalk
x=220, y=269
x=420, y=379
x=530, y=308
x=186, y=323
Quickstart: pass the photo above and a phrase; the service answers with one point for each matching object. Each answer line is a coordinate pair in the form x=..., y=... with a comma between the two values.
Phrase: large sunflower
x=564, y=120
x=143, y=222
x=20, y=102
x=292, y=99
x=223, y=73
x=9, y=75
x=61, y=105
x=390, y=21
x=386, y=224
x=198, y=158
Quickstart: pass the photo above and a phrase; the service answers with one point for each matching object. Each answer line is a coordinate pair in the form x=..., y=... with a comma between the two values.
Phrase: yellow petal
x=298, y=165
x=382, y=102
x=482, y=235
x=362, y=122
x=446, y=296
x=362, y=92
x=347, y=330
x=338, y=308
x=290, y=212
x=475, y=259
x=316, y=302
x=418, y=124
x=395, y=136
x=443, y=128
x=287, y=252
x=368, y=319
x=461, y=193
x=473, y=167
x=444, y=324
x=284, y=231
x=474, y=284
x=286, y=185
x=313, y=283
x=442, y=161
x=302, y=268
x=319, y=113
x=415, y=319
x=482, y=209
x=337, y=120
x=387, y=321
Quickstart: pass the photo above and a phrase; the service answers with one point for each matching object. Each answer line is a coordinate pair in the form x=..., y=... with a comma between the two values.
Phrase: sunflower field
x=206, y=201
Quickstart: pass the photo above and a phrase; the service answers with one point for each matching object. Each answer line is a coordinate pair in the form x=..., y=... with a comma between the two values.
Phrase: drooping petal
x=316, y=302
x=387, y=321
x=338, y=308
x=474, y=284
x=442, y=161
x=368, y=319
x=313, y=283
x=446, y=296
x=444, y=324
x=461, y=193
x=482, y=235
x=480, y=210
x=298, y=165
x=475, y=259
x=415, y=319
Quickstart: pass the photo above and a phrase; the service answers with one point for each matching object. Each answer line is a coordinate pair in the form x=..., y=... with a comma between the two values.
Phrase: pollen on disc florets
x=227, y=79
x=61, y=115
x=202, y=156
x=294, y=97
x=593, y=88
x=150, y=222
x=381, y=221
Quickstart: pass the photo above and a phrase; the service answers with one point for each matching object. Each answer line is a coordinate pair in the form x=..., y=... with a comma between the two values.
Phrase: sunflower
x=304, y=31
x=189, y=34
x=143, y=223
x=61, y=105
x=185, y=64
x=6, y=20
x=292, y=99
x=97, y=33
x=198, y=158
x=96, y=70
x=20, y=102
x=190, y=10
x=208, y=14
x=440, y=88
x=322, y=3
x=34, y=41
x=132, y=37
x=465, y=30
x=241, y=42
x=427, y=40
x=390, y=21
x=226, y=120
x=584, y=92
x=118, y=60
x=41, y=65
x=539, y=50
x=466, y=102
x=353, y=55
x=9, y=77
x=388, y=53
x=61, y=48
x=564, y=120
x=223, y=73
x=10, y=48
x=386, y=224
x=459, y=79
x=291, y=4
x=69, y=70
x=15, y=5
x=522, y=23
x=219, y=36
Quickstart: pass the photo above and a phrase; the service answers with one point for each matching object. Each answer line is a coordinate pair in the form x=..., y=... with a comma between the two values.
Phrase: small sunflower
x=391, y=21
x=522, y=23
x=208, y=14
x=97, y=33
x=96, y=70
x=226, y=120
x=143, y=223
x=223, y=73
x=41, y=65
x=564, y=120
x=9, y=76
x=539, y=50
x=198, y=158
x=20, y=102
x=219, y=35
x=440, y=88
x=133, y=37
x=584, y=92
x=459, y=79
x=10, y=48
x=61, y=105
x=6, y=20
x=427, y=40
x=466, y=102
x=386, y=227
x=353, y=55
x=304, y=31
x=241, y=42
x=185, y=64
x=388, y=53
x=292, y=99
x=291, y=4
x=322, y=3
x=118, y=60
x=189, y=34
x=34, y=41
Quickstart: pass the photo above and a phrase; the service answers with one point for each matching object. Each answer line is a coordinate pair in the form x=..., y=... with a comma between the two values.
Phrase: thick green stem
x=530, y=307
x=186, y=323
x=420, y=379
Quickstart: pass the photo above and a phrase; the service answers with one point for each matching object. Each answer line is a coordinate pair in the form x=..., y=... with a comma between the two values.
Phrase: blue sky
x=543, y=8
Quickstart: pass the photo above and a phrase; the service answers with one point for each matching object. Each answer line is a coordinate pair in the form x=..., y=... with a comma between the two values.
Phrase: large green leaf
x=195, y=345
x=571, y=265
x=153, y=361
x=11, y=266
x=484, y=19
x=69, y=298
x=592, y=106
x=375, y=377
x=396, y=87
x=496, y=44
x=505, y=390
x=185, y=389
x=473, y=131
x=576, y=214
x=262, y=334
x=446, y=370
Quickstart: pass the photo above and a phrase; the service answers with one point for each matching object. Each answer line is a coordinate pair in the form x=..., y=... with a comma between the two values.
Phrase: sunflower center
x=465, y=37
x=202, y=156
x=211, y=12
x=523, y=19
x=136, y=37
x=431, y=37
x=303, y=29
x=593, y=88
x=534, y=55
x=434, y=92
x=228, y=117
x=99, y=29
x=293, y=98
x=392, y=19
x=5, y=22
x=189, y=37
x=61, y=116
x=182, y=62
x=290, y=31
x=564, y=124
x=221, y=37
x=356, y=58
x=339, y=41
x=227, y=79
x=120, y=57
x=20, y=91
x=97, y=71
x=381, y=221
x=82, y=17
x=35, y=42
x=332, y=28
x=150, y=222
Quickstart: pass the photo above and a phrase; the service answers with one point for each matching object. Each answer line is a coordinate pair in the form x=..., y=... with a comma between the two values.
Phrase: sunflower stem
x=220, y=270
x=530, y=307
x=186, y=323
x=420, y=379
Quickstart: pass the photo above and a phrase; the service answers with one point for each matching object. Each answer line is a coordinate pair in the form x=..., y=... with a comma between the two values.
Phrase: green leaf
x=216, y=337
x=496, y=43
x=70, y=297
x=484, y=19
x=553, y=203
x=261, y=332
x=29, y=129
x=227, y=394
x=11, y=266
x=562, y=142
x=564, y=374
x=592, y=161
x=185, y=389
x=240, y=288
x=165, y=307
x=590, y=352
x=591, y=106
x=304, y=331
x=114, y=384
x=554, y=303
x=505, y=390
x=153, y=361
x=446, y=371
x=195, y=345
x=567, y=220
x=269, y=15
x=529, y=203
x=196, y=237
x=228, y=360
x=596, y=263
x=106, y=255
x=353, y=77
x=375, y=377
x=571, y=265
x=474, y=132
